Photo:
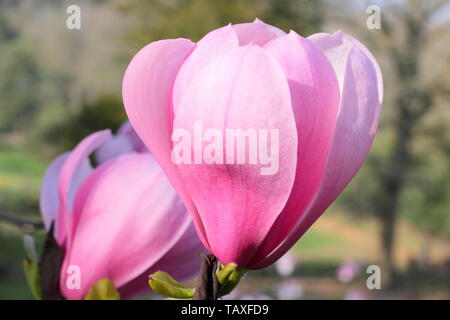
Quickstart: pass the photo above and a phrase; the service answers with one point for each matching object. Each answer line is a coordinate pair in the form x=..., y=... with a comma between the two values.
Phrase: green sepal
x=165, y=285
x=103, y=289
x=224, y=272
x=228, y=277
x=31, y=270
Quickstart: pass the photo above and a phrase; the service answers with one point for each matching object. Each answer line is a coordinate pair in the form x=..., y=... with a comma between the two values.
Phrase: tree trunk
x=393, y=179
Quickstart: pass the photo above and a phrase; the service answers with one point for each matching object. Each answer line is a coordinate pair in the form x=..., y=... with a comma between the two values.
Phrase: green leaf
x=224, y=272
x=228, y=277
x=31, y=269
x=164, y=284
x=103, y=289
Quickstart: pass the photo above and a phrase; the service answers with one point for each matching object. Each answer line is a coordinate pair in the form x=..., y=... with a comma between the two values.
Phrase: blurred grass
x=316, y=239
x=12, y=280
x=17, y=163
x=21, y=174
x=18, y=167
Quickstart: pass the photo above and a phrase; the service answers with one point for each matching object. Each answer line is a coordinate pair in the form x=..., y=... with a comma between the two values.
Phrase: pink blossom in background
x=290, y=289
x=121, y=220
x=323, y=93
x=126, y=140
x=355, y=294
x=347, y=271
x=255, y=296
x=285, y=266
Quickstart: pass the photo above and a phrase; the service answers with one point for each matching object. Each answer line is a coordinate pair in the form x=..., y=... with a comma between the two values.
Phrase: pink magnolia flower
x=121, y=220
x=322, y=93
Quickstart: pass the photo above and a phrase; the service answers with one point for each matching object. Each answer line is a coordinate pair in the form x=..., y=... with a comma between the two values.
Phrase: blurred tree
x=47, y=73
x=303, y=16
x=19, y=73
x=158, y=19
x=413, y=101
x=402, y=173
x=19, y=82
x=7, y=33
x=433, y=215
x=106, y=112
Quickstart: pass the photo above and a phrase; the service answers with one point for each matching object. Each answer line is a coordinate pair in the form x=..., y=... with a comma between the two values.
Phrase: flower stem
x=207, y=283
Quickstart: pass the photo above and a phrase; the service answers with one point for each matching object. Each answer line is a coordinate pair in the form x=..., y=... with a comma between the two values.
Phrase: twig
x=50, y=268
x=20, y=221
x=207, y=284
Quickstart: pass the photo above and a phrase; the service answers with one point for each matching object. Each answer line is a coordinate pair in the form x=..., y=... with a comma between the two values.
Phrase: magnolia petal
x=237, y=204
x=129, y=217
x=257, y=32
x=210, y=46
x=315, y=100
x=127, y=130
x=182, y=262
x=120, y=144
x=74, y=171
x=49, y=198
x=147, y=96
x=355, y=129
x=326, y=41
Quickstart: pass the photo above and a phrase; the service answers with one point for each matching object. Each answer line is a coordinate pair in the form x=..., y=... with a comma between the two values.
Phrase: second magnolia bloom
x=323, y=94
x=121, y=220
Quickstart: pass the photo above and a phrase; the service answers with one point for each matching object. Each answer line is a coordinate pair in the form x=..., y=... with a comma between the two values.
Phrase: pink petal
x=241, y=89
x=213, y=44
x=73, y=172
x=129, y=217
x=325, y=41
x=49, y=199
x=355, y=129
x=315, y=100
x=147, y=91
x=182, y=262
x=115, y=147
x=257, y=32
x=127, y=130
